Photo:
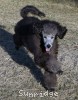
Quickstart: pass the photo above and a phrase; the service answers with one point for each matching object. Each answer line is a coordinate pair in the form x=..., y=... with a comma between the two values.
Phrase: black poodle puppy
x=40, y=38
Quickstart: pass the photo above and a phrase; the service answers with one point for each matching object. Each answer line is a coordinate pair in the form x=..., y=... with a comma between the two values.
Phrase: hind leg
x=17, y=41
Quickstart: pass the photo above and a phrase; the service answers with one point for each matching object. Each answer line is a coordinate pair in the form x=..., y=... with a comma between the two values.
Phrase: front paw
x=50, y=81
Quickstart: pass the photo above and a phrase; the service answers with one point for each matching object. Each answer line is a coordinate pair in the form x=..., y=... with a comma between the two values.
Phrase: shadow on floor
x=20, y=56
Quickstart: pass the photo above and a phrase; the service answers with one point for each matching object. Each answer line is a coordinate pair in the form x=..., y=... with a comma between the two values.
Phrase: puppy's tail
x=31, y=9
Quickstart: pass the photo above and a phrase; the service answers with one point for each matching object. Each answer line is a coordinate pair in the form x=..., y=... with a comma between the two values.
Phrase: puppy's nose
x=48, y=45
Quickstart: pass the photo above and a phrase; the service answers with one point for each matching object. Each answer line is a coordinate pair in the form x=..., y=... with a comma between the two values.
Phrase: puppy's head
x=49, y=33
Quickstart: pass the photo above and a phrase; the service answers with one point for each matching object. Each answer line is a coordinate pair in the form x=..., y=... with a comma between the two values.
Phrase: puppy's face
x=49, y=33
x=48, y=41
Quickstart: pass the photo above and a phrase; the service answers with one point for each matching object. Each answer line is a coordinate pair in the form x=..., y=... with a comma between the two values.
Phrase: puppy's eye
x=52, y=37
x=45, y=37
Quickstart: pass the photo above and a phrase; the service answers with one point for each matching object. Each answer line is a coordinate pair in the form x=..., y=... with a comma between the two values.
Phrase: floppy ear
x=61, y=32
x=37, y=28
